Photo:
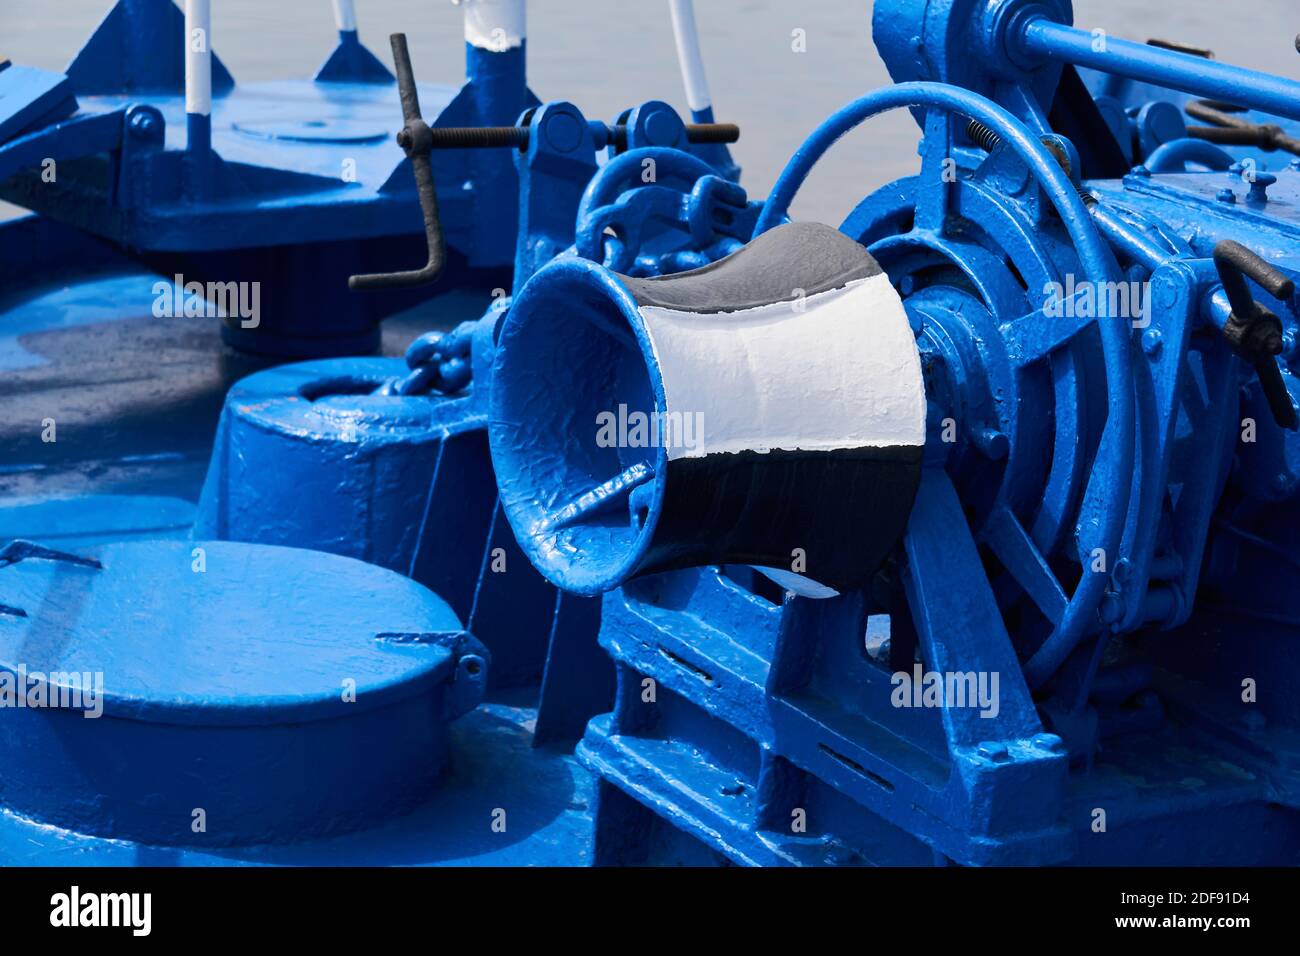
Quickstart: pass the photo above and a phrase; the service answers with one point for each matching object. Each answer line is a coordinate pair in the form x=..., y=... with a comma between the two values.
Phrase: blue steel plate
x=314, y=130
x=272, y=696
x=264, y=635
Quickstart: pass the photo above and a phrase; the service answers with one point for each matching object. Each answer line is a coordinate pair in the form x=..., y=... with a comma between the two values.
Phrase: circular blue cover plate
x=261, y=635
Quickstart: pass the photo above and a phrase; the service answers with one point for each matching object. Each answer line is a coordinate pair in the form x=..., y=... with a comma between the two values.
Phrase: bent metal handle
x=1253, y=331
x=416, y=139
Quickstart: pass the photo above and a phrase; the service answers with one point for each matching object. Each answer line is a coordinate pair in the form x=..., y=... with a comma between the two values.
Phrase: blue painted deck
x=313, y=157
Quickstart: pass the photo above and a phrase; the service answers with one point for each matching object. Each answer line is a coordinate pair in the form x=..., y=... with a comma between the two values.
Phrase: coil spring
x=986, y=139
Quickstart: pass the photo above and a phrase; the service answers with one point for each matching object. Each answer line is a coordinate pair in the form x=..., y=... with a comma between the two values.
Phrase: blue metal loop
x=1172, y=157
x=625, y=172
x=621, y=217
x=1114, y=464
x=439, y=361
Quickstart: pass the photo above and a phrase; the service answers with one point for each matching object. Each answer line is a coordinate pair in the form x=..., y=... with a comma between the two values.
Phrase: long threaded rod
x=496, y=137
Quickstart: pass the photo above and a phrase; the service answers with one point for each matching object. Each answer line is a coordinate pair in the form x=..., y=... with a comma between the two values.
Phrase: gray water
x=605, y=55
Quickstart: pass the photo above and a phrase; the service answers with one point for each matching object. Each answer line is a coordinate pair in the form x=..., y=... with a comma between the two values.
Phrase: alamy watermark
x=636, y=429
x=922, y=688
x=56, y=690
x=1086, y=300
x=181, y=299
x=75, y=908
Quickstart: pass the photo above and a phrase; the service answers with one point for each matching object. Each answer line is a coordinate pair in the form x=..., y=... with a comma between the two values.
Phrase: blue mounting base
x=696, y=747
x=546, y=797
x=1166, y=803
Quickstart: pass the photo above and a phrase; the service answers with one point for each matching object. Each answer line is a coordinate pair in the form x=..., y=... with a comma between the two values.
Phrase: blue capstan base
x=546, y=797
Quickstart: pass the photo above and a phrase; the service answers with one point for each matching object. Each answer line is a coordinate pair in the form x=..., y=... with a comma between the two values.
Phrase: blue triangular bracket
x=139, y=47
x=351, y=62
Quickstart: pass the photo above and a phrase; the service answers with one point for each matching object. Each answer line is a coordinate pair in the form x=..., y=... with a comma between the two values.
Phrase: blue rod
x=1040, y=37
x=198, y=133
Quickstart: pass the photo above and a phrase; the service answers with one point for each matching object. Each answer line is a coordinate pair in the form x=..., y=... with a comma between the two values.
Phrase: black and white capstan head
x=766, y=409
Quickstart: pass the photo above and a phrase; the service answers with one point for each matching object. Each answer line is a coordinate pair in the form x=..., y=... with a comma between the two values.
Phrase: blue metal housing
x=760, y=728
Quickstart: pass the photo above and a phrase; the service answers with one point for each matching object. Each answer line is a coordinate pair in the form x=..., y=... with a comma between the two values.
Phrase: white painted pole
x=495, y=25
x=198, y=74
x=345, y=16
x=689, y=59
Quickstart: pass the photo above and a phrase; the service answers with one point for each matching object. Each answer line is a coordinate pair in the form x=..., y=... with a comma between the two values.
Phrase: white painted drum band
x=837, y=370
